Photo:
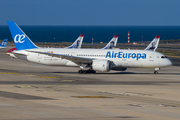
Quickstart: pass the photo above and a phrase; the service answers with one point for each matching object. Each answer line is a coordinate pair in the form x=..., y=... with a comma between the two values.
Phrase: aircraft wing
x=75, y=59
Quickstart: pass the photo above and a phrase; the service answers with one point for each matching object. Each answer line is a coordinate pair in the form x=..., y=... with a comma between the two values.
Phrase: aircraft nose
x=169, y=62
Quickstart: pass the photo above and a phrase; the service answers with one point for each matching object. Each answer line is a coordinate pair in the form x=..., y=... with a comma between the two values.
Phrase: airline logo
x=136, y=56
x=19, y=38
x=3, y=43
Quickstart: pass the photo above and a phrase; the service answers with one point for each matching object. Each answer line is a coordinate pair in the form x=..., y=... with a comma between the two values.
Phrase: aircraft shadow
x=106, y=73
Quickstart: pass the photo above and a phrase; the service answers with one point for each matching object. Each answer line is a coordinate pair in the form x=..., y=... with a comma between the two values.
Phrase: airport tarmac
x=30, y=91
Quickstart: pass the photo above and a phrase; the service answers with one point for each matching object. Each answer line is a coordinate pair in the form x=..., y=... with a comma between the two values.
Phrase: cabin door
x=151, y=57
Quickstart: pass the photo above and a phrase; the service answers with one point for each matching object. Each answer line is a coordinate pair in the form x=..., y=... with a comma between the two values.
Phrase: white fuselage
x=119, y=57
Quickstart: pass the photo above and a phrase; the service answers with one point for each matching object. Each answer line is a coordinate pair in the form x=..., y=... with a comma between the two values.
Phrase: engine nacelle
x=101, y=65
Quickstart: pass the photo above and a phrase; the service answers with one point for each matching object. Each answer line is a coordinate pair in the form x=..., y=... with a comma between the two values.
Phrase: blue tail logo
x=21, y=40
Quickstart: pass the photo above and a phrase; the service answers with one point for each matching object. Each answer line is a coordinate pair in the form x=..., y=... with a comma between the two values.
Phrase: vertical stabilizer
x=78, y=42
x=3, y=44
x=112, y=43
x=21, y=40
x=154, y=44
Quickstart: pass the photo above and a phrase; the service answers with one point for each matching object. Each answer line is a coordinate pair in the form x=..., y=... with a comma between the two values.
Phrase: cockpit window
x=164, y=57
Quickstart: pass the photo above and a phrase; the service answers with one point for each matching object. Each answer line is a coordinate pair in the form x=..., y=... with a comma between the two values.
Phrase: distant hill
x=170, y=41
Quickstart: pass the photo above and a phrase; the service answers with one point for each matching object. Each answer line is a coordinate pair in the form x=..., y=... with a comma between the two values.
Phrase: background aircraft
x=77, y=43
x=112, y=43
x=3, y=44
x=154, y=44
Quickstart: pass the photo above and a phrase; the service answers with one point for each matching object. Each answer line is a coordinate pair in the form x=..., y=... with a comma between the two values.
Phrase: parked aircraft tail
x=78, y=42
x=3, y=44
x=112, y=43
x=21, y=40
x=154, y=44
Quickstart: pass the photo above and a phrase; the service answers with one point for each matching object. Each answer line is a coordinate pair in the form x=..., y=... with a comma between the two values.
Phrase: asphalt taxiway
x=30, y=91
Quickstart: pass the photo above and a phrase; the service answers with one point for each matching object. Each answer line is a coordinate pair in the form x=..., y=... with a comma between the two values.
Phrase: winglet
x=21, y=40
x=154, y=44
x=112, y=43
x=78, y=42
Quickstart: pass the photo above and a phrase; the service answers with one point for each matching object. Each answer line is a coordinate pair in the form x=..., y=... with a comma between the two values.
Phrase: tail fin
x=112, y=43
x=154, y=44
x=78, y=42
x=3, y=44
x=21, y=40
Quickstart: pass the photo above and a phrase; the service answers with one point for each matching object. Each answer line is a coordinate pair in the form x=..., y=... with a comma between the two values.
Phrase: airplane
x=3, y=44
x=112, y=43
x=154, y=44
x=89, y=60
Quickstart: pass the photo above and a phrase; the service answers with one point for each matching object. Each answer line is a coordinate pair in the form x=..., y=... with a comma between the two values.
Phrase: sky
x=91, y=12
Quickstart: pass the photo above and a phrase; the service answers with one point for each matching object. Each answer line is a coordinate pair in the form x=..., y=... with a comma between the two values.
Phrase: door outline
x=151, y=57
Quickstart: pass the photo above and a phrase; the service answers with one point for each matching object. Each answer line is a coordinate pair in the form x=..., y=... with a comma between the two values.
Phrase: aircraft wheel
x=93, y=71
x=85, y=71
x=88, y=71
x=80, y=71
x=155, y=72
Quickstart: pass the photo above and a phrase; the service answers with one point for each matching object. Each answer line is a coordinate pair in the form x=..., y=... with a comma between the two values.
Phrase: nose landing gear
x=156, y=70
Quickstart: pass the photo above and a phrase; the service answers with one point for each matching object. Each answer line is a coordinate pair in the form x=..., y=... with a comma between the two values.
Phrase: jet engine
x=101, y=65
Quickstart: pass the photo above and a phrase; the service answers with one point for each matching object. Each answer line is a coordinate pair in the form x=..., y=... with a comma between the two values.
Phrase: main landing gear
x=86, y=71
x=156, y=70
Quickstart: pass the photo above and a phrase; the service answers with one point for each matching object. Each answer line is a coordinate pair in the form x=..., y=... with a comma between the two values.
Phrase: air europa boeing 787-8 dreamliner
x=89, y=60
